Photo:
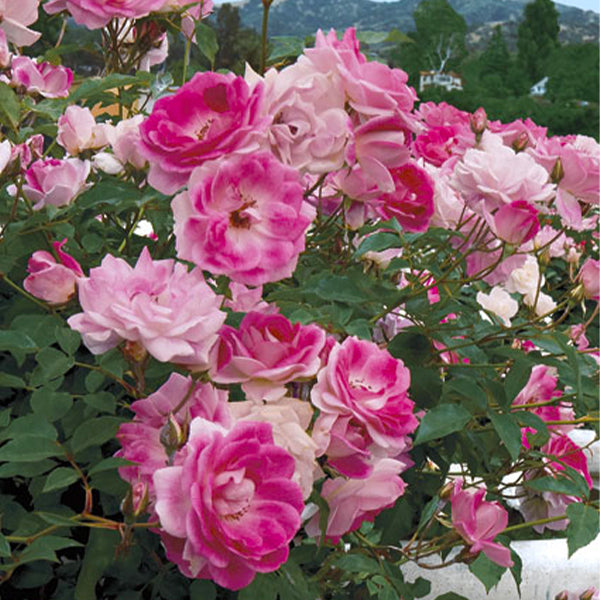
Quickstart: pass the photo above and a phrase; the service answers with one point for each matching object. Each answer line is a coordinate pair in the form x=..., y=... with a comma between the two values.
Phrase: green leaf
x=378, y=242
x=583, y=525
x=50, y=405
x=99, y=554
x=412, y=347
x=357, y=563
x=94, y=433
x=202, y=589
x=528, y=419
x=4, y=546
x=559, y=485
x=441, y=421
x=206, y=38
x=428, y=512
x=94, y=381
x=52, y=363
x=29, y=448
x=112, y=462
x=487, y=571
x=15, y=340
x=31, y=469
x=60, y=478
x=68, y=339
x=102, y=401
x=339, y=288
x=55, y=519
x=517, y=378
x=11, y=381
x=284, y=47
x=509, y=431
x=44, y=548
x=451, y=596
x=93, y=87
x=9, y=106
x=264, y=586
x=360, y=328
x=29, y=425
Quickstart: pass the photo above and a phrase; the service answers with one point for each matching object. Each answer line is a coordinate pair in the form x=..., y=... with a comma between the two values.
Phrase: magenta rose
x=266, y=353
x=515, y=223
x=94, y=14
x=49, y=280
x=56, y=182
x=42, y=78
x=244, y=217
x=160, y=425
x=478, y=522
x=230, y=509
x=210, y=116
x=365, y=411
x=412, y=200
x=172, y=313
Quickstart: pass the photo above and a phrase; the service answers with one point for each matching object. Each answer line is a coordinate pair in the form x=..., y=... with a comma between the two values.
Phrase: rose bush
x=280, y=334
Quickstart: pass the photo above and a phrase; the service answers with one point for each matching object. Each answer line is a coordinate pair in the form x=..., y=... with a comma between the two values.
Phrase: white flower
x=499, y=302
x=544, y=304
x=525, y=279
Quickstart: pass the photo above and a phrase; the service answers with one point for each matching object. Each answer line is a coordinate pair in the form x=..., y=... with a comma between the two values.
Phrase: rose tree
x=280, y=334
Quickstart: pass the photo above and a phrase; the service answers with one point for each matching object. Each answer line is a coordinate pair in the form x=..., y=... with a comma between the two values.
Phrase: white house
x=449, y=81
x=539, y=88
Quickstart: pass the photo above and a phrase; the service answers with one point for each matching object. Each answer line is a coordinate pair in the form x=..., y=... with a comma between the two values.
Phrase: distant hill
x=304, y=17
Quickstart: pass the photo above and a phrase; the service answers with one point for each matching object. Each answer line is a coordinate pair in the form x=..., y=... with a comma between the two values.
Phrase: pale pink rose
x=589, y=278
x=95, y=14
x=266, y=353
x=78, y=130
x=244, y=217
x=358, y=187
x=25, y=152
x=290, y=419
x=4, y=51
x=124, y=139
x=449, y=206
x=56, y=182
x=514, y=223
x=49, y=280
x=353, y=501
x=160, y=426
x=496, y=175
x=231, y=508
x=519, y=134
x=499, y=302
x=555, y=243
x=41, y=78
x=245, y=299
x=14, y=18
x=542, y=387
x=172, y=313
x=364, y=407
x=211, y=116
x=577, y=335
x=411, y=202
x=560, y=451
x=478, y=522
x=310, y=128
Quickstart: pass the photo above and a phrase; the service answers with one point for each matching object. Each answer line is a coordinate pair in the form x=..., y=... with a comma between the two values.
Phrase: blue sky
x=585, y=4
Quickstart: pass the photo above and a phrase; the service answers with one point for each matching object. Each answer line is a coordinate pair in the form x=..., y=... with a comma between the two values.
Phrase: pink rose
x=125, y=140
x=25, y=152
x=78, y=130
x=478, y=522
x=353, y=501
x=210, y=116
x=244, y=217
x=56, y=182
x=364, y=407
x=411, y=203
x=52, y=281
x=589, y=278
x=160, y=426
x=95, y=14
x=245, y=299
x=14, y=18
x=230, y=509
x=4, y=51
x=515, y=223
x=172, y=313
x=266, y=353
x=41, y=78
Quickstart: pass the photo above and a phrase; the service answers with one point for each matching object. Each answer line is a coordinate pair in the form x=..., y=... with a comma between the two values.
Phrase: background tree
x=537, y=37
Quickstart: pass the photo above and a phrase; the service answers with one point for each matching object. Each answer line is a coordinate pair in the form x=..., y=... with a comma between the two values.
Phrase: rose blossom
x=78, y=130
x=290, y=418
x=478, y=522
x=266, y=353
x=515, y=223
x=230, y=509
x=15, y=15
x=95, y=14
x=210, y=116
x=589, y=278
x=364, y=407
x=244, y=217
x=160, y=425
x=56, y=182
x=4, y=51
x=353, y=501
x=41, y=78
x=411, y=203
x=245, y=299
x=172, y=313
x=499, y=302
x=52, y=281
